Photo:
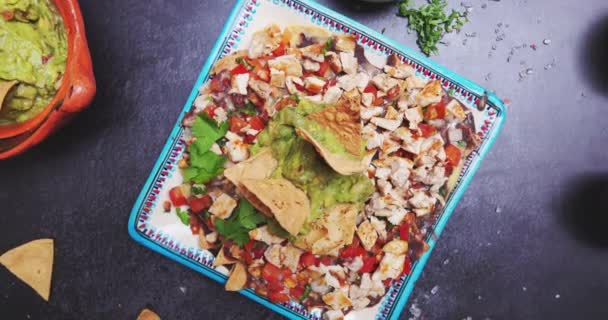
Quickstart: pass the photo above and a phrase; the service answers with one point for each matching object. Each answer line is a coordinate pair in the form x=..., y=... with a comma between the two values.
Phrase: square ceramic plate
x=164, y=233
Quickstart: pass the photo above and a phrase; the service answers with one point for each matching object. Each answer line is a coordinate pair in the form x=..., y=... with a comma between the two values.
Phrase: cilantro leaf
x=183, y=216
x=328, y=45
x=237, y=227
x=207, y=131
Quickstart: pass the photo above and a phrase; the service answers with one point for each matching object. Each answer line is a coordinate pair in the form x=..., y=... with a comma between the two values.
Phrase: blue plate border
x=403, y=293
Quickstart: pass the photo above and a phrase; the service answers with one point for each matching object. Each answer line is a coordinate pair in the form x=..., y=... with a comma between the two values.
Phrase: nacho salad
x=313, y=174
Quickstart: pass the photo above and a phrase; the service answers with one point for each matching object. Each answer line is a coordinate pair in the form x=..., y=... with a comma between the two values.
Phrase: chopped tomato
x=271, y=273
x=195, y=225
x=378, y=101
x=256, y=123
x=323, y=68
x=258, y=250
x=435, y=111
x=369, y=264
x=453, y=154
x=279, y=51
x=239, y=69
x=8, y=15
x=210, y=111
x=352, y=250
x=177, y=197
x=308, y=259
x=326, y=261
x=277, y=296
x=249, y=139
x=299, y=87
x=249, y=246
x=216, y=85
x=404, y=231
x=393, y=92
x=296, y=292
x=371, y=88
x=407, y=266
x=236, y=124
x=387, y=282
x=426, y=130
x=247, y=257
x=199, y=204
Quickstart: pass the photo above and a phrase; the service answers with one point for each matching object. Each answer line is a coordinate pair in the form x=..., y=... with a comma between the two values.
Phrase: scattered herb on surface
x=244, y=63
x=430, y=22
x=328, y=45
x=249, y=109
x=237, y=227
x=462, y=144
x=306, y=293
x=183, y=216
x=204, y=164
x=198, y=190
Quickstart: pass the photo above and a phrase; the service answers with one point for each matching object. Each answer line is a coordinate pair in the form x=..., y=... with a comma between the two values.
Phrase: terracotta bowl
x=75, y=94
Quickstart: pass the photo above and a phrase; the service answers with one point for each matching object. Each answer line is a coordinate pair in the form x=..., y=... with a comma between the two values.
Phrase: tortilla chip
x=228, y=62
x=237, y=279
x=344, y=120
x=341, y=164
x=5, y=88
x=147, y=314
x=289, y=205
x=221, y=259
x=302, y=36
x=202, y=240
x=33, y=264
x=331, y=232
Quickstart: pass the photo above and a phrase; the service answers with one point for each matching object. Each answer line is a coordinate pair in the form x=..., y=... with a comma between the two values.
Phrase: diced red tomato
x=299, y=87
x=279, y=51
x=387, y=282
x=271, y=273
x=256, y=123
x=239, y=69
x=323, y=68
x=404, y=231
x=8, y=15
x=249, y=246
x=210, y=111
x=177, y=197
x=371, y=88
x=393, y=92
x=195, y=225
x=216, y=85
x=369, y=264
x=325, y=261
x=308, y=259
x=296, y=292
x=426, y=130
x=435, y=111
x=352, y=250
x=258, y=250
x=236, y=124
x=378, y=101
x=407, y=266
x=249, y=139
x=453, y=154
x=247, y=257
x=277, y=296
x=199, y=204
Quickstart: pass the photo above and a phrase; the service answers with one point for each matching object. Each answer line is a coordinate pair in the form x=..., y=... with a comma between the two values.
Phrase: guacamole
x=303, y=166
x=33, y=51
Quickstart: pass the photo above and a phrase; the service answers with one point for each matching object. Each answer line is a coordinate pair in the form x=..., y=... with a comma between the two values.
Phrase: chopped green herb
x=451, y=92
x=462, y=143
x=249, y=109
x=244, y=63
x=306, y=293
x=198, y=190
x=204, y=164
x=237, y=227
x=328, y=45
x=183, y=215
x=443, y=191
x=295, y=97
x=431, y=22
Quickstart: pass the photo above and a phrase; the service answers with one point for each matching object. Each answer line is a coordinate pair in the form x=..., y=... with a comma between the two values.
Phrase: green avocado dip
x=33, y=52
x=303, y=166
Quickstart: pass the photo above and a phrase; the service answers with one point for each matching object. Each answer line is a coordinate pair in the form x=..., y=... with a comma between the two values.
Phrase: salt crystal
x=183, y=289
x=529, y=71
x=415, y=311
x=446, y=261
x=471, y=34
x=524, y=288
x=434, y=290
x=557, y=296
x=547, y=42
x=479, y=298
x=498, y=210
x=485, y=5
x=493, y=47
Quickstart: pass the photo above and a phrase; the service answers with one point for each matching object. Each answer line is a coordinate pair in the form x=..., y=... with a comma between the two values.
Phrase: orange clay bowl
x=76, y=91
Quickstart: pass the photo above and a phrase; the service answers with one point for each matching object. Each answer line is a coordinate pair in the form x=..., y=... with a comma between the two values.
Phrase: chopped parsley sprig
x=431, y=22
x=204, y=164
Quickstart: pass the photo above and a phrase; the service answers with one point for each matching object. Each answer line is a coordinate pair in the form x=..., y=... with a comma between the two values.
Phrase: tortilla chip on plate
x=5, y=88
x=300, y=36
x=237, y=279
x=221, y=258
x=334, y=230
x=33, y=264
x=344, y=121
x=228, y=62
x=147, y=314
x=289, y=205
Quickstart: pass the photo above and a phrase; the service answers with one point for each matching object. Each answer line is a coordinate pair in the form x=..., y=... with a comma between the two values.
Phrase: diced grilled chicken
x=374, y=288
x=367, y=98
x=288, y=64
x=367, y=234
x=317, y=57
x=421, y=200
x=390, y=267
x=277, y=78
x=334, y=62
x=347, y=82
x=345, y=42
x=290, y=257
x=262, y=234
x=368, y=113
x=333, y=315
x=290, y=83
x=222, y=206
x=236, y=148
x=239, y=84
x=337, y=300
x=397, y=216
x=414, y=82
x=314, y=84
x=388, y=124
x=379, y=226
x=400, y=72
x=384, y=82
x=261, y=88
x=414, y=117
x=349, y=62
x=431, y=93
x=264, y=41
x=273, y=255
x=400, y=172
x=355, y=265
x=362, y=80
x=396, y=247
x=310, y=65
x=332, y=95
x=455, y=135
x=455, y=109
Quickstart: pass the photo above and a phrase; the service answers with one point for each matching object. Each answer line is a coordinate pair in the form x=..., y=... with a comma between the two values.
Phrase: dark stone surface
x=531, y=226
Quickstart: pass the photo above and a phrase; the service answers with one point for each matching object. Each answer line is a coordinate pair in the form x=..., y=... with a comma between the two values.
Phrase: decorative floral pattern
x=155, y=193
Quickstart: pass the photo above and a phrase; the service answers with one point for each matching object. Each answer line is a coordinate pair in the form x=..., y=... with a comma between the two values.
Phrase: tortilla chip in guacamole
x=288, y=204
x=334, y=230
